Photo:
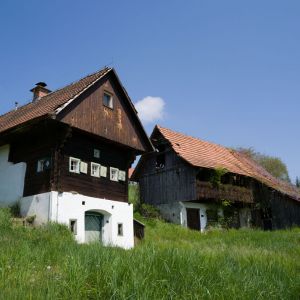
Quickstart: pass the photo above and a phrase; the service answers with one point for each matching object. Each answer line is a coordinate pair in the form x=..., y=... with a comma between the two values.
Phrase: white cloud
x=150, y=109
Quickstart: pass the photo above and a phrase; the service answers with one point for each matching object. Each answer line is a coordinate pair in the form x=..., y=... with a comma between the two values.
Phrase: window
x=114, y=174
x=95, y=170
x=74, y=165
x=120, y=229
x=73, y=226
x=108, y=100
x=43, y=164
x=122, y=175
x=96, y=153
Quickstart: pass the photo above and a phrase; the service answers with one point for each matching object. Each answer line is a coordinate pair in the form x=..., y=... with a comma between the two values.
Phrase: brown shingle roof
x=200, y=153
x=50, y=103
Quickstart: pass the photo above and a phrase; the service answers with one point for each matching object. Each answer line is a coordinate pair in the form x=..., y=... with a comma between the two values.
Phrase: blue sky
x=227, y=71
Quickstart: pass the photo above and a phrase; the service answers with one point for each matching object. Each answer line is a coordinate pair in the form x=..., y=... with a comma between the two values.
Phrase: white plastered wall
x=63, y=207
x=202, y=213
x=12, y=178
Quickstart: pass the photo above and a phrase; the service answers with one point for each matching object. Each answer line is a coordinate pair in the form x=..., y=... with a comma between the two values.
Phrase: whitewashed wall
x=62, y=207
x=12, y=178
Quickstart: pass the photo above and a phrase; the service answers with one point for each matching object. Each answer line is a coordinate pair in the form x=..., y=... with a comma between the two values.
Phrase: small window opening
x=96, y=153
x=73, y=226
x=108, y=100
x=74, y=165
x=120, y=229
x=160, y=157
x=43, y=164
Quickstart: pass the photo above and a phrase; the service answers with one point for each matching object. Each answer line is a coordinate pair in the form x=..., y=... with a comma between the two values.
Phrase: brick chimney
x=39, y=91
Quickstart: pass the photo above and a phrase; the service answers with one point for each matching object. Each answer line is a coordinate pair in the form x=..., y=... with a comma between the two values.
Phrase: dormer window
x=108, y=100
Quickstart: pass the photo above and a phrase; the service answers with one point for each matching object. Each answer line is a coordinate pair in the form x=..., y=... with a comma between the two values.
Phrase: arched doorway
x=93, y=226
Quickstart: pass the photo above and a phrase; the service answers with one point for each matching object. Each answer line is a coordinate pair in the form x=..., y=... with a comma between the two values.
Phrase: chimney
x=39, y=91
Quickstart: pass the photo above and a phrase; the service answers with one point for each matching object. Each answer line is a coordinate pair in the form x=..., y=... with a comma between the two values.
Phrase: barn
x=199, y=184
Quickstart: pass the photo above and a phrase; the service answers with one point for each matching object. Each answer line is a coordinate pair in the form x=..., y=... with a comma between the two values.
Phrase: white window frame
x=111, y=174
x=77, y=160
x=97, y=174
x=111, y=101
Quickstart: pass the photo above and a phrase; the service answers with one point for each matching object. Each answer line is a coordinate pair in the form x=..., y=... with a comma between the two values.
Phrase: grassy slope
x=172, y=263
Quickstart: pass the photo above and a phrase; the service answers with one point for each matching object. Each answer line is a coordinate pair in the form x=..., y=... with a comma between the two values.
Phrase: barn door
x=193, y=220
x=93, y=227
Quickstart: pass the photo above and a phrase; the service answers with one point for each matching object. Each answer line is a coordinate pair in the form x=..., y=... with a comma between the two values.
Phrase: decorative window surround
x=95, y=169
x=74, y=165
x=114, y=174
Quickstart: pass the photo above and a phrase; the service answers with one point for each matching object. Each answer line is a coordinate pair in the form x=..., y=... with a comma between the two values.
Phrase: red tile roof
x=50, y=103
x=200, y=153
x=130, y=172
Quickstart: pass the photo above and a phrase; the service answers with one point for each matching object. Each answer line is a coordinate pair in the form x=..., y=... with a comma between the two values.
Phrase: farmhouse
x=199, y=184
x=65, y=157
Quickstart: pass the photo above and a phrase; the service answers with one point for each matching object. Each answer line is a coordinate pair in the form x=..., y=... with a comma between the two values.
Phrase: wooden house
x=65, y=157
x=200, y=184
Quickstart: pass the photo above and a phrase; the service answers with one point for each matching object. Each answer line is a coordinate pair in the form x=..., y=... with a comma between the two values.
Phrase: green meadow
x=171, y=263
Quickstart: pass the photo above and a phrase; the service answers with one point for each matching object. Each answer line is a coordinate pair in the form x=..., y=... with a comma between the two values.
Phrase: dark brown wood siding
x=82, y=147
x=29, y=147
x=175, y=182
x=118, y=124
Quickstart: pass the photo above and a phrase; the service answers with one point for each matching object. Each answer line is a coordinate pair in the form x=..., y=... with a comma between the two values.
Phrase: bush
x=148, y=211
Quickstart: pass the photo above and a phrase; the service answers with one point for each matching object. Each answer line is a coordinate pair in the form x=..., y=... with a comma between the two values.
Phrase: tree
x=297, y=182
x=273, y=165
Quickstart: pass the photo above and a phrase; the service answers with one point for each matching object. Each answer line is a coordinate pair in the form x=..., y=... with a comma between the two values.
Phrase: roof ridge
x=78, y=80
x=195, y=138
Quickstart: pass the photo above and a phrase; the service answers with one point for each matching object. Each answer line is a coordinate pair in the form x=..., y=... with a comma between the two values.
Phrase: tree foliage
x=297, y=182
x=273, y=165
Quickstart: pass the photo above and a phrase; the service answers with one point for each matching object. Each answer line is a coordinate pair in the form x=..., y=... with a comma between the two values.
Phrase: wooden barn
x=200, y=184
x=65, y=157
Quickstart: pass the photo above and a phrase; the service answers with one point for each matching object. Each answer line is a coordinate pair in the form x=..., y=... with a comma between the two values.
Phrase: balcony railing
x=205, y=190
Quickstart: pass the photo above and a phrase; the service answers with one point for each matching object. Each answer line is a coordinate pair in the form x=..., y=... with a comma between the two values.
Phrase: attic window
x=160, y=157
x=74, y=165
x=108, y=100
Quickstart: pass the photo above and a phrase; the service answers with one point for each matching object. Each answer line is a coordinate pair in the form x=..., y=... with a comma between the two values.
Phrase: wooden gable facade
x=85, y=129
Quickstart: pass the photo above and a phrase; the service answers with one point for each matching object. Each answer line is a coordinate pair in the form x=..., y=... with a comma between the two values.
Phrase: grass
x=172, y=263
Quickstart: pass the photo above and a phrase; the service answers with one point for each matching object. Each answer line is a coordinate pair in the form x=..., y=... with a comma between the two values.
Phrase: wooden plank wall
x=82, y=147
x=118, y=124
x=175, y=182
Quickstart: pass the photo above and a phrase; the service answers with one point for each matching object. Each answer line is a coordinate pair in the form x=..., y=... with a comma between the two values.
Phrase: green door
x=93, y=227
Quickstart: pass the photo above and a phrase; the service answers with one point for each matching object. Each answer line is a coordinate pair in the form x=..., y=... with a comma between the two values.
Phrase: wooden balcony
x=227, y=192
